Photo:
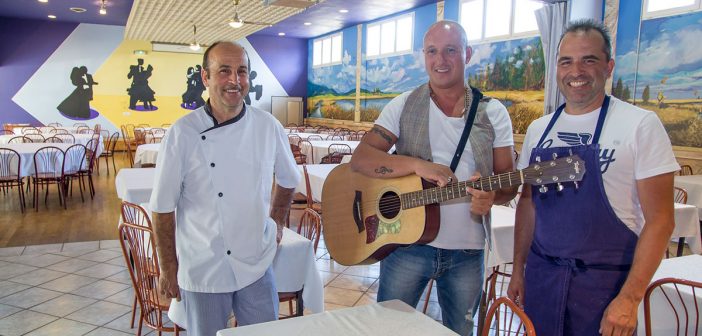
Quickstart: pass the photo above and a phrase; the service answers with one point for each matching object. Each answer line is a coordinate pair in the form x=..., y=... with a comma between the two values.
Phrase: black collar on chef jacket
x=208, y=110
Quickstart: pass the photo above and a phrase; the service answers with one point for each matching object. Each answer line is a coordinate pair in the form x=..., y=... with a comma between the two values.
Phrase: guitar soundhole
x=389, y=205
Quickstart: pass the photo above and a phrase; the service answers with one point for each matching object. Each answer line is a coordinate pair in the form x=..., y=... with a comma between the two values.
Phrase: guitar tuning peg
x=576, y=184
x=559, y=187
x=543, y=189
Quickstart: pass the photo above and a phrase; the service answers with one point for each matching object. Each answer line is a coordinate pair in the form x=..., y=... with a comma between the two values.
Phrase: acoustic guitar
x=366, y=218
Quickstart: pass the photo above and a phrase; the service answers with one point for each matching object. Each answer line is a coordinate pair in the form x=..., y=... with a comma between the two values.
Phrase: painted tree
x=618, y=89
x=646, y=95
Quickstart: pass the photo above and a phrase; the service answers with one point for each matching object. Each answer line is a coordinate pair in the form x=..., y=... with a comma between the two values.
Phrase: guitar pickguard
x=376, y=228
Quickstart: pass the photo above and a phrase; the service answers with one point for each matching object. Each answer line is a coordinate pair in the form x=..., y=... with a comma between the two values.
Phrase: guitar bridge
x=357, y=211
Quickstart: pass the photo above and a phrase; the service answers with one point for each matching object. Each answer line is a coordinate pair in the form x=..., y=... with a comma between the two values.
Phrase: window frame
x=509, y=36
x=379, y=24
x=321, y=40
x=645, y=14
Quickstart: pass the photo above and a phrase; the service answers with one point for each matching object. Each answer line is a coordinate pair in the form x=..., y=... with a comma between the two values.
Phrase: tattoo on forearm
x=384, y=135
x=383, y=170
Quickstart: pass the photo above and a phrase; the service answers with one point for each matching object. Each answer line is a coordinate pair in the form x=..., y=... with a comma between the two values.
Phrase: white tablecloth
x=27, y=150
x=294, y=267
x=384, y=318
x=663, y=320
x=146, y=154
x=502, y=232
x=134, y=185
x=72, y=130
x=321, y=148
x=687, y=225
x=317, y=174
x=693, y=185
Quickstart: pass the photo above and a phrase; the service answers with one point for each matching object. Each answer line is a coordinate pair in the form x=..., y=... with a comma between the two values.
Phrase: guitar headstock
x=565, y=169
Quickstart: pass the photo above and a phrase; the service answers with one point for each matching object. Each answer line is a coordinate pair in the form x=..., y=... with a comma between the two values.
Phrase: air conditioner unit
x=291, y=3
x=176, y=48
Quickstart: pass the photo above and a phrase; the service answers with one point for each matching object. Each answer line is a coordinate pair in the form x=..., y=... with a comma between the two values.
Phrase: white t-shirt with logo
x=458, y=230
x=633, y=146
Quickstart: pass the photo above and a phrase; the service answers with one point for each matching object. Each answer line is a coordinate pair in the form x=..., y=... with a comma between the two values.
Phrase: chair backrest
x=679, y=195
x=35, y=137
x=54, y=124
x=66, y=138
x=339, y=148
x=314, y=138
x=53, y=139
x=79, y=124
x=509, y=319
x=84, y=130
x=306, y=148
x=310, y=226
x=686, y=170
x=10, y=163
x=496, y=283
x=48, y=162
x=74, y=159
x=294, y=139
x=143, y=125
x=134, y=214
x=308, y=188
x=677, y=300
x=165, y=125
x=60, y=131
x=112, y=142
x=335, y=137
x=138, y=242
x=46, y=129
x=20, y=139
x=90, y=151
x=31, y=130
x=139, y=136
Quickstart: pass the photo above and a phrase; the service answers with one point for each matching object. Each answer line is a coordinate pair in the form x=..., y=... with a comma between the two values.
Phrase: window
x=390, y=37
x=656, y=8
x=486, y=20
x=327, y=50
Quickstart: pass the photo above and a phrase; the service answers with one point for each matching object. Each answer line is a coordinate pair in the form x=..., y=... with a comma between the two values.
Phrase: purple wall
x=27, y=44
x=287, y=59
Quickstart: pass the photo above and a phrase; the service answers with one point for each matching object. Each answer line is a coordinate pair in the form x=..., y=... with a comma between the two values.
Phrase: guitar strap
x=477, y=96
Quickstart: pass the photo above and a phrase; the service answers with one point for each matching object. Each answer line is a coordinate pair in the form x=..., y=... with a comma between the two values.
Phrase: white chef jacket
x=219, y=179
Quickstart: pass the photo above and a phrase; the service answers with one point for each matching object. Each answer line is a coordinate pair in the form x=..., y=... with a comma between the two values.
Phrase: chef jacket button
x=204, y=137
x=221, y=194
x=229, y=252
x=212, y=164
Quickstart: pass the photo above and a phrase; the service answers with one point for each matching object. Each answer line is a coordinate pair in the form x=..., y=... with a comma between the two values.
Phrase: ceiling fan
x=237, y=22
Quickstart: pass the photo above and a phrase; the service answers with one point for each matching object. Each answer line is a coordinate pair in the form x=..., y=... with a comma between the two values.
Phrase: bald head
x=206, y=56
x=447, y=27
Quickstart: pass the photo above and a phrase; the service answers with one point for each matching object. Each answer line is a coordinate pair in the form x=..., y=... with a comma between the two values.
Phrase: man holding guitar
x=440, y=124
x=584, y=254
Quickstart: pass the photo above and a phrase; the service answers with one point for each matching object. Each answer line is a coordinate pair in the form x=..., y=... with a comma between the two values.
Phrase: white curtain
x=551, y=19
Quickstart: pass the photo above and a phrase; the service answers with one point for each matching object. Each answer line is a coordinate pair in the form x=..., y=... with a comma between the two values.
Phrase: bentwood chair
x=310, y=227
x=109, y=152
x=314, y=138
x=680, y=195
x=307, y=149
x=48, y=164
x=138, y=244
x=10, y=163
x=35, y=137
x=136, y=215
x=676, y=298
x=317, y=207
x=685, y=170
x=89, y=164
x=336, y=153
x=73, y=162
x=20, y=139
x=495, y=286
x=31, y=130
x=53, y=139
x=509, y=320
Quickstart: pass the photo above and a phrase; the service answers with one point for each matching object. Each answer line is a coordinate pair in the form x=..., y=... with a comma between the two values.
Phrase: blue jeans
x=458, y=277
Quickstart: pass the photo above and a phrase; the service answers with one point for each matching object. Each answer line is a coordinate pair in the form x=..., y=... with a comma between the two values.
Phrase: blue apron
x=581, y=252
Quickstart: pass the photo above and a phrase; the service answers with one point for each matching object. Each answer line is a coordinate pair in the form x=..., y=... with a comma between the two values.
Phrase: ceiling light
x=307, y=23
x=139, y=52
x=343, y=10
x=281, y=34
x=103, y=11
x=236, y=22
x=77, y=9
x=194, y=46
x=44, y=1
x=51, y=16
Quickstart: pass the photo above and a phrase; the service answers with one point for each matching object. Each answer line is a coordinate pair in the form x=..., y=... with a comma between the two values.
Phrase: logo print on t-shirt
x=575, y=139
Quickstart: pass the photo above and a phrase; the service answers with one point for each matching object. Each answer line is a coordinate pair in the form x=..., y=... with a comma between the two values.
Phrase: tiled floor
x=84, y=289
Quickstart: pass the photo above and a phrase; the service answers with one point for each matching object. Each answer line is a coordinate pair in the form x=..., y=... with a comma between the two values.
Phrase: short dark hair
x=587, y=25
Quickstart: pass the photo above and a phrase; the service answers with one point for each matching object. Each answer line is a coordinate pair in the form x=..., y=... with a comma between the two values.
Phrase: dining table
x=135, y=185
x=320, y=149
x=26, y=152
x=79, y=138
x=693, y=186
x=392, y=317
x=146, y=154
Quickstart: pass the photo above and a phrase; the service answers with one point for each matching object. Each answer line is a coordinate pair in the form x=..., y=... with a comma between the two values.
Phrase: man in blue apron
x=585, y=254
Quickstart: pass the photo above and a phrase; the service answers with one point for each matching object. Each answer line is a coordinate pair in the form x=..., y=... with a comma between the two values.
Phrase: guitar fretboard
x=456, y=190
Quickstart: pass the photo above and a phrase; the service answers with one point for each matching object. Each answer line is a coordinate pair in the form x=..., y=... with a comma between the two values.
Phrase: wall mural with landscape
x=664, y=74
